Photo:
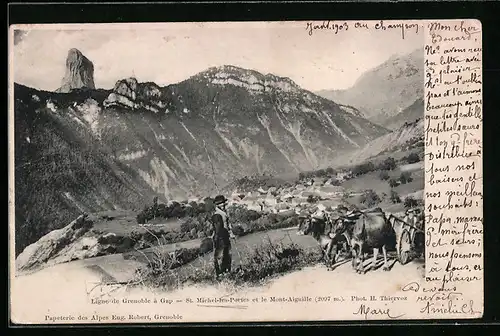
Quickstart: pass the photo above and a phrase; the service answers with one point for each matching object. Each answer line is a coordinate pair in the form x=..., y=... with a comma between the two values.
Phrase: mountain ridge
x=399, y=82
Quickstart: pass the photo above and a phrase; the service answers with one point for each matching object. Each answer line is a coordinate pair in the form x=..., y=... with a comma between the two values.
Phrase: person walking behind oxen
x=221, y=237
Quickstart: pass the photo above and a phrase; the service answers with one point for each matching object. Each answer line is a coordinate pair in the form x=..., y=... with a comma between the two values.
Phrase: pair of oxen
x=358, y=232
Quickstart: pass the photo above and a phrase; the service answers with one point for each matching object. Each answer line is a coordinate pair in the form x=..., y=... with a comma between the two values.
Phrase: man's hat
x=220, y=199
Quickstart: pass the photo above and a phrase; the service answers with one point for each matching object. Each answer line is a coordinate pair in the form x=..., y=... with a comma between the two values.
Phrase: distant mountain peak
x=79, y=72
x=386, y=90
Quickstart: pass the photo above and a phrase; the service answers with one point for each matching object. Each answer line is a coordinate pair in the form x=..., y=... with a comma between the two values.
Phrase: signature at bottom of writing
x=366, y=311
x=448, y=307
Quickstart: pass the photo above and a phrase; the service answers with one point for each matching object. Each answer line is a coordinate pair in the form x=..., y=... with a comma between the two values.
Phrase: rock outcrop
x=251, y=80
x=127, y=87
x=130, y=93
x=79, y=72
x=77, y=241
x=52, y=244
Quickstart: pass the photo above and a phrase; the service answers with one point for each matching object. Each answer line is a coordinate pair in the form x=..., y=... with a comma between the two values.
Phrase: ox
x=366, y=230
x=330, y=246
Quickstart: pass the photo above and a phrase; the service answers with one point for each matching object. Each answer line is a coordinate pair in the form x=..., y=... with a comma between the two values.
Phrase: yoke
x=404, y=223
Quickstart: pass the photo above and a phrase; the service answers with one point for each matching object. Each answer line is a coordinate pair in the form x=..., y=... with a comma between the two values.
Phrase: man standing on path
x=221, y=236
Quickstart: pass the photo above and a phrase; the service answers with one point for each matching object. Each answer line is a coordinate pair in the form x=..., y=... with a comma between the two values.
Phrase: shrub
x=384, y=175
x=193, y=204
x=257, y=264
x=266, y=222
x=312, y=199
x=126, y=245
x=330, y=171
x=393, y=183
x=163, y=211
x=388, y=164
x=189, y=224
x=190, y=211
x=150, y=238
x=363, y=168
x=200, y=208
x=405, y=177
x=239, y=213
x=335, y=182
x=135, y=236
x=141, y=218
x=413, y=158
x=262, y=223
x=292, y=221
x=410, y=202
x=370, y=198
x=321, y=173
x=177, y=210
x=395, y=197
x=209, y=204
x=238, y=230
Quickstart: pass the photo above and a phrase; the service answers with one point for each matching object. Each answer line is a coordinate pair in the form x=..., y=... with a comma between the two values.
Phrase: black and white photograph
x=198, y=161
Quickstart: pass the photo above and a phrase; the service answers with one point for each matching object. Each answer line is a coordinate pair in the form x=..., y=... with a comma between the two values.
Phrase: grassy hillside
x=62, y=171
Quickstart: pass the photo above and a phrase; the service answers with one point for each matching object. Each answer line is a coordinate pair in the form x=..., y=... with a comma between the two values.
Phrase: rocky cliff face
x=79, y=72
x=130, y=94
x=224, y=123
x=387, y=90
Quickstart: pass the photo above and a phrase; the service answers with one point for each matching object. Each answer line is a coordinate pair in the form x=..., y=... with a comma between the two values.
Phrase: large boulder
x=52, y=244
x=79, y=72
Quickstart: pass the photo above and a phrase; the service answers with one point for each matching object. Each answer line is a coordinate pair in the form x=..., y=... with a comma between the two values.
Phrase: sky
x=168, y=53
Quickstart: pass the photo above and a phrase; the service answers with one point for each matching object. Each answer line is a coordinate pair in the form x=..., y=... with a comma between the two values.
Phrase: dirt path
x=68, y=288
x=121, y=267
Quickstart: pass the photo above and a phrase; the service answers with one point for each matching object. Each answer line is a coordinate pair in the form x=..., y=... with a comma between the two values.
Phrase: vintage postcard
x=245, y=172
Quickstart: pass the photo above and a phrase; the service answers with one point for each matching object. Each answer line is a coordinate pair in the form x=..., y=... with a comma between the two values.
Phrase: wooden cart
x=410, y=238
